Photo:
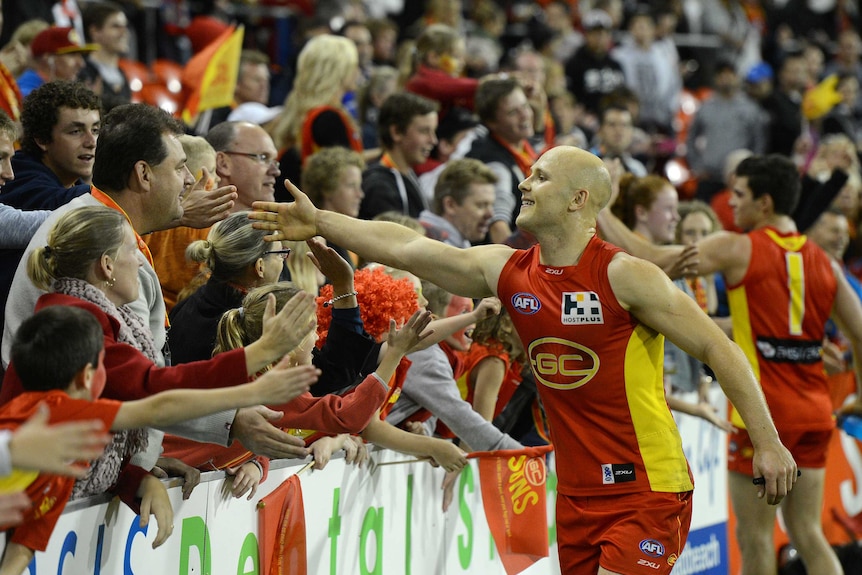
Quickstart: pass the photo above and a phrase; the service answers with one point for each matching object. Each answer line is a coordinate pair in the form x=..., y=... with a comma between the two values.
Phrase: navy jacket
x=36, y=187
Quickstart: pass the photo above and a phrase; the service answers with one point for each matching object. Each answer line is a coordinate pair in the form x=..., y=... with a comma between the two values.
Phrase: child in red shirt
x=58, y=356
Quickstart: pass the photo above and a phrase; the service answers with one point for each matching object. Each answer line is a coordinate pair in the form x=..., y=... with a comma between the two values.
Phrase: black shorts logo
x=618, y=473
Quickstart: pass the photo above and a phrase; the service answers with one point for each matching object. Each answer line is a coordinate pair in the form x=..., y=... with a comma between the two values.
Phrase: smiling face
x=542, y=193
x=513, y=121
x=831, y=233
x=658, y=222
x=565, y=182
x=417, y=141
x=72, y=148
x=254, y=179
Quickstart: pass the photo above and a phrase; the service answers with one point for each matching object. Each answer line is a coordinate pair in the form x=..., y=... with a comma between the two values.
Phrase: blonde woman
x=313, y=116
x=236, y=259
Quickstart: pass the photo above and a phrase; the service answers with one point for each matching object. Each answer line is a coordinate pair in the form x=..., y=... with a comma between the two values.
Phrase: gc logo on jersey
x=581, y=307
x=526, y=303
x=562, y=364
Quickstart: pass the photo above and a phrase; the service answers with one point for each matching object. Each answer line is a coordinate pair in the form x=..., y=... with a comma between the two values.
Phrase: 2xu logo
x=562, y=364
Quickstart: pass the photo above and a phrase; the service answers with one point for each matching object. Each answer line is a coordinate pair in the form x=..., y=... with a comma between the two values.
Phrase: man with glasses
x=246, y=158
x=140, y=169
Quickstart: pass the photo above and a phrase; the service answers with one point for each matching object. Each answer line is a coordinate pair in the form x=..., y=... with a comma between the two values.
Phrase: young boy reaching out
x=58, y=355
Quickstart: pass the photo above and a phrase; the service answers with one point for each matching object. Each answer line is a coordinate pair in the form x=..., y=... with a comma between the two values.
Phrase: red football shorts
x=808, y=448
x=631, y=533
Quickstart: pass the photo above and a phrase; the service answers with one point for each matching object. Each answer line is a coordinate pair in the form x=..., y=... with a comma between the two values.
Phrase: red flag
x=211, y=74
x=281, y=530
x=513, y=495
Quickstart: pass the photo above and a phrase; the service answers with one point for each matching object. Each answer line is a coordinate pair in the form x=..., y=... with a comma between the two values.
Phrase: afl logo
x=526, y=303
x=562, y=364
x=652, y=547
x=534, y=471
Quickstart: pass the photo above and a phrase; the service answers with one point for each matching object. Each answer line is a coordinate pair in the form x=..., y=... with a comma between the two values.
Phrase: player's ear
x=579, y=200
x=767, y=204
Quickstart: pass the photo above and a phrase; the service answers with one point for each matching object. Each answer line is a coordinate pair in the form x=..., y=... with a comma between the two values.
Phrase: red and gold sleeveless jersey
x=599, y=374
x=779, y=312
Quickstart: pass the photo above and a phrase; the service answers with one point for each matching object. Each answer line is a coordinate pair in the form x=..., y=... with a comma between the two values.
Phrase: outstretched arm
x=847, y=313
x=446, y=454
x=279, y=385
x=472, y=272
x=649, y=295
x=724, y=252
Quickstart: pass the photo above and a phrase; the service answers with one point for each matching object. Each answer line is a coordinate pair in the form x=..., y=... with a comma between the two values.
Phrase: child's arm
x=323, y=448
x=401, y=341
x=155, y=501
x=16, y=557
x=489, y=374
x=279, y=385
x=701, y=409
x=446, y=454
x=337, y=270
x=173, y=467
x=246, y=477
x=440, y=329
x=355, y=450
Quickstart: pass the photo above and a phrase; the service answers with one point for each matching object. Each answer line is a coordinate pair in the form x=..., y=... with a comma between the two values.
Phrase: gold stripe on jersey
x=658, y=438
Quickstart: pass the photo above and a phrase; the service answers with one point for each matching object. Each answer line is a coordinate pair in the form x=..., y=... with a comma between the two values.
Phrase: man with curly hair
x=61, y=122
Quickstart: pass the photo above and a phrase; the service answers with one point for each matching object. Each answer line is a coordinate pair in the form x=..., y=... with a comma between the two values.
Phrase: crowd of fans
x=431, y=120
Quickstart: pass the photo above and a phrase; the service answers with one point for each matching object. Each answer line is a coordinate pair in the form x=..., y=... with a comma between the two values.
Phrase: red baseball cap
x=57, y=40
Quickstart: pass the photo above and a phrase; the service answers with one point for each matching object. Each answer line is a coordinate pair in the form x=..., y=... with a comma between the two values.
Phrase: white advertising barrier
x=705, y=447
x=386, y=522
x=357, y=522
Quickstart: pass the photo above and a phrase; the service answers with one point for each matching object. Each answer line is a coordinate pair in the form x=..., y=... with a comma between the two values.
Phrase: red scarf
x=525, y=157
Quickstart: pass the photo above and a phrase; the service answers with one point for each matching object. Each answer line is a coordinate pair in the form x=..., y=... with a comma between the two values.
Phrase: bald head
x=584, y=171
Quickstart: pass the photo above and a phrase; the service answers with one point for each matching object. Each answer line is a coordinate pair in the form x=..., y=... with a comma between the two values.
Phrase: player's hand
x=296, y=220
x=775, y=466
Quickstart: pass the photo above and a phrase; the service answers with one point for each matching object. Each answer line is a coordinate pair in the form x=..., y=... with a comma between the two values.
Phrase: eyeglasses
x=259, y=158
x=280, y=253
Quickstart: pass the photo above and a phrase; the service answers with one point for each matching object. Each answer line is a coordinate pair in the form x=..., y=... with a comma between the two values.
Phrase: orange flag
x=210, y=76
x=281, y=530
x=513, y=495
